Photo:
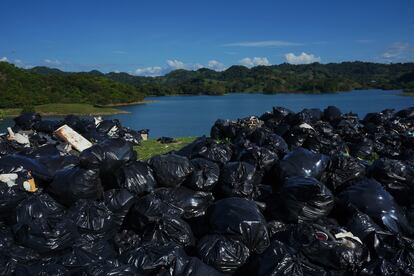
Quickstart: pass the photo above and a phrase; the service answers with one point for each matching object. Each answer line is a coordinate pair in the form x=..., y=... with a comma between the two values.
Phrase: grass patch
x=65, y=109
x=407, y=94
x=76, y=109
x=9, y=112
x=151, y=147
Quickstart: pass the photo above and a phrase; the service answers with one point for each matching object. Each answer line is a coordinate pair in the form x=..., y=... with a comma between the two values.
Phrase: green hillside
x=20, y=88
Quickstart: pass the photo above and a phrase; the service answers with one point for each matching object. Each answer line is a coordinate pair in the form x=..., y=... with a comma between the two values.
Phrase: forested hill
x=314, y=77
x=41, y=85
x=21, y=88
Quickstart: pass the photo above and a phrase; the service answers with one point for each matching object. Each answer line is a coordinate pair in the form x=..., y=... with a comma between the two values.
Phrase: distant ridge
x=283, y=78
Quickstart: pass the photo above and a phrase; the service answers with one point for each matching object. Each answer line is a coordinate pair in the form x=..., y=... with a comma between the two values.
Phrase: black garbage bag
x=152, y=259
x=47, y=126
x=80, y=125
x=388, y=145
x=396, y=176
x=302, y=162
x=364, y=149
x=137, y=177
x=14, y=254
x=240, y=219
x=269, y=140
x=281, y=112
x=238, y=179
x=38, y=139
x=349, y=126
x=109, y=127
x=323, y=139
x=168, y=259
x=92, y=217
x=216, y=152
x=119, y=202
x=307, y=115
x=361, y=225
x=391, y=254
x=38, y=205
x=341, y=170
x=131, y=136
x=222, y=253
x=166, y=140
x=332, y=114
x=45, y=234
x=96, y=247
x=369, y=197
x=173, y=202
x=320, y=143
x=75, y=183
x=6, y=147
x=10, y=197
x=108, y=156
x=6, y=237
x=168, y=229
x=329, y=246
x=205, y=175
x=405, y=113
x=277, y=114
x=281, y=259
x=171, y=170
x=26, y=121
x=219, y=152
x=380, y=267
x=76, y=260
x=15, y=162
x=266, y=116
x=188, y=266
x=56, y=163
x=297, y=135
x=224, y=129
x=260, y=157
x=376, y=118
x=126, y=240
x=104, y=269
x=305, y=199
x=41, y=268
x=40, y=151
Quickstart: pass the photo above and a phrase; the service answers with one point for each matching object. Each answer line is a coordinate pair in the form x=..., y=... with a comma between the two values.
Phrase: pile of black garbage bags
x=308, y=193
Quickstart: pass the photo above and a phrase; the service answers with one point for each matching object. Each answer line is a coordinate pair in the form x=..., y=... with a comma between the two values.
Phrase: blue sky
x=154, y=37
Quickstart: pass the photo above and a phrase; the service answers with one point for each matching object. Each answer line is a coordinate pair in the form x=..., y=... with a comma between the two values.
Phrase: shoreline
x=128, y=104
x=50, y=110
x=272, y=93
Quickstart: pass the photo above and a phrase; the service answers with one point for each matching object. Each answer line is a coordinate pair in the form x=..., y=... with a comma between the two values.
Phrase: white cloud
x=149, y=71
x=263, y=43
x=216, y=65
x=52, y=62
x=399, y=51
x=256, y=61
x=303, y=58
x=176, y=64
x=17, y=62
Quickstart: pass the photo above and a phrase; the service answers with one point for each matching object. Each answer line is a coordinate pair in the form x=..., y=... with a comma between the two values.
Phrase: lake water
x=194, y=115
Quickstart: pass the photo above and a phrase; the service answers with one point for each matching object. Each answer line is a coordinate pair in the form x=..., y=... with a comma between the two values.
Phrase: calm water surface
x=194, y=115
